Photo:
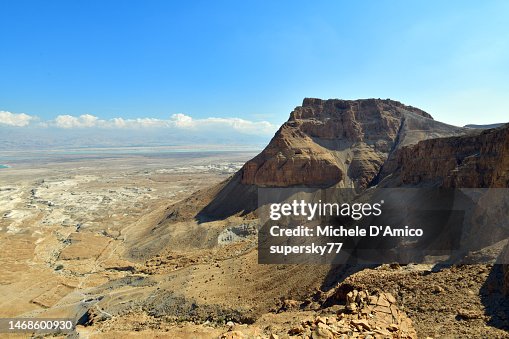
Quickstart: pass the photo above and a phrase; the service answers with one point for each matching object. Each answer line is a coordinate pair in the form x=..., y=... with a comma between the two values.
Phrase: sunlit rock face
x=339, y=142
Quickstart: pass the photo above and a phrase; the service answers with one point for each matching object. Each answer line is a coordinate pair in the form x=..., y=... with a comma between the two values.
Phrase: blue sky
x=250, y=60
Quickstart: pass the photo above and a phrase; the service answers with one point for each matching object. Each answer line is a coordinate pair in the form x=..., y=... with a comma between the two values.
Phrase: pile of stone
x=375, y=316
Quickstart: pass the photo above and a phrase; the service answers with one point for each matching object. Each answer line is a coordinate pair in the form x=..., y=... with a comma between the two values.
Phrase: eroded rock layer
x=339, y=142
x=469, y=161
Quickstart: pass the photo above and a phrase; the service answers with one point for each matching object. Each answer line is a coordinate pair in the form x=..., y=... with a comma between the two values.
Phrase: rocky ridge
x=339, y=142
x=467, y=161
x=324, y=143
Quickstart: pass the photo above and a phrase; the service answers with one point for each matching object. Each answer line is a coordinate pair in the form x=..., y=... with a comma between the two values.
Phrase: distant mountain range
x=484, y=126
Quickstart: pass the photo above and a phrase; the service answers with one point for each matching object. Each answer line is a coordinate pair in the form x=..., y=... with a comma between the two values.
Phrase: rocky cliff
x=358, y=144
x=479, y=160
x=324, y=143
x=467, y=161
x=339, y=142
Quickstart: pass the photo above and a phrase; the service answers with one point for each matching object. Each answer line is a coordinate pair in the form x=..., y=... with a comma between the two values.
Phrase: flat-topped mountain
x=340, y=142
x=324, y=143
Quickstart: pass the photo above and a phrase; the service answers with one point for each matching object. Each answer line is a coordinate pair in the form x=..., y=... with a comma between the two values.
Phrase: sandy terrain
x=63, y=222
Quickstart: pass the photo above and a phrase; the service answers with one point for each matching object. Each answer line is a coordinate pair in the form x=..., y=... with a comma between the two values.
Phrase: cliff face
x=339, y=142
x=324, y=143
x=357, y=144
x=367, y=142
x=468, y=161
x=479, y=160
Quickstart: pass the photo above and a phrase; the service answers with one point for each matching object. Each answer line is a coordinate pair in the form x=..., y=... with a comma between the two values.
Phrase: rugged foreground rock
x=370, y=315
x=365, y=316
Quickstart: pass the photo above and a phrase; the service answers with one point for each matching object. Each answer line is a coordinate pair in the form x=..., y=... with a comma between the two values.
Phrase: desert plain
x=87, y=236
x=65, y=219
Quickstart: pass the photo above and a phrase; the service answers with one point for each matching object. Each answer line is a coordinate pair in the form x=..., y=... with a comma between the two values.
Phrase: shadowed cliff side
x=467, y=161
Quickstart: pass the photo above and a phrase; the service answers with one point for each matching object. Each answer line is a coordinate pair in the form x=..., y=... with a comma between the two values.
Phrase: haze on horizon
x=233, y=71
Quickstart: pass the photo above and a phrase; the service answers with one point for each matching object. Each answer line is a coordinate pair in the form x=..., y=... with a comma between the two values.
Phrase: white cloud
x=244, y=126
x=119, y=122
x=240, y=125
x=176, y=121
x=68, y=121
x=182, y=120
x=132, y=123
x=13, y=119
x=88, y=120
x=146, y=122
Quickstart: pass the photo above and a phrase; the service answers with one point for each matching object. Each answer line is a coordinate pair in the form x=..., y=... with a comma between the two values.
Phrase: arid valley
x=68, y=222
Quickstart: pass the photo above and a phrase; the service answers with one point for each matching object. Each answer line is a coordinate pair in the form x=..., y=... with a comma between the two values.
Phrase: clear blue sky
x=254, y=60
